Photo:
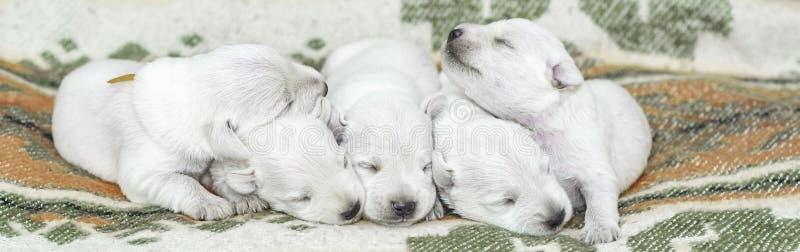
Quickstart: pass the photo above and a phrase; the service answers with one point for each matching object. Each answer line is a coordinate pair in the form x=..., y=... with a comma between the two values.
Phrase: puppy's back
x=383, y=54
x=86, y=109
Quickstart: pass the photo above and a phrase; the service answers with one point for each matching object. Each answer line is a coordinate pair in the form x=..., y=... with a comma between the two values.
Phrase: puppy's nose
x=556, y=220
x=404, y=209
x=352, y=212
x=454, y=34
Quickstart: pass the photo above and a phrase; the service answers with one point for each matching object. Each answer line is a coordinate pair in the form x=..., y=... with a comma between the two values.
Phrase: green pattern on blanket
x=444, y=15
x=122, y=223
x=672, y=27
x=737, y=230
x=724, y=174
x=489, y=238
x=65, y=233
x=740, y=230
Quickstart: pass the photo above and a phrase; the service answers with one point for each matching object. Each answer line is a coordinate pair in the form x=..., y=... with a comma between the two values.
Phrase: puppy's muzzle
x=454, y=34
x=555, y=220
x=352, y=212
x=454, y=45
x=404, y=209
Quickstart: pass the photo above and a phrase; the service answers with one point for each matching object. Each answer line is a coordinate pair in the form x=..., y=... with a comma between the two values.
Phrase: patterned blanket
x=724, y=173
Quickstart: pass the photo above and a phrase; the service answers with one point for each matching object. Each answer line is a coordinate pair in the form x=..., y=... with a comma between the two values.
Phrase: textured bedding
x=724, y=173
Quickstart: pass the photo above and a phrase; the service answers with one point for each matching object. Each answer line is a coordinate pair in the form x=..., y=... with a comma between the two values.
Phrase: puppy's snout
x=555, y=221
x=352, y=212
x=454, y=34
x=404, y=209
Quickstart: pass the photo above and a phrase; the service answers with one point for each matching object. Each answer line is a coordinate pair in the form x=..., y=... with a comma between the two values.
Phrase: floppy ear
x=442, y=172
x=438, y=210
x=224, y=142
x=242, y=180
x=328, y=114
x=336, y=119
x=435, y=104
x=340, y=134
x=566, y=73
x=236, y=176
x=442, y=178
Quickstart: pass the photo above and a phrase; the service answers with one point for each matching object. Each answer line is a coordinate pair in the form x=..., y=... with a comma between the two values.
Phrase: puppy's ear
x=242, y=180
x=336, y=120
x=341, y=134
x=435, y=104
x=224, y=142
x=565, y=74
x=328, y=114
x=235, y=176
x=442, y=172
x=438, y=210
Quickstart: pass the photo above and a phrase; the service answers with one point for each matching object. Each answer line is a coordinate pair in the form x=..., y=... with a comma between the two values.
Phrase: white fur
x=156, y=135
x=297, y=167
x=595, y=133
x=491, y=170
x=379, y=85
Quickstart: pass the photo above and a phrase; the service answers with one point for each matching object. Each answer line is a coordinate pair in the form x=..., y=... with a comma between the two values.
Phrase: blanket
x=721, y=93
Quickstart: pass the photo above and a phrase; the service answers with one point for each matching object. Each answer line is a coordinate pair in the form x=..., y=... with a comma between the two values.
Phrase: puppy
x=594, y=132
x=155, y=135
x=379, y=85
x=491, y=170
x=297, y=168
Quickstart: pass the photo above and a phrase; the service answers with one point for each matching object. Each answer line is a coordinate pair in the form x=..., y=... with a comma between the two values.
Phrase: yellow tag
x=123, y=78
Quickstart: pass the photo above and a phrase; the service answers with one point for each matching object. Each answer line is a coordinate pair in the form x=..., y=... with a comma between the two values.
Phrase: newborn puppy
x=379, y=85
x=594, y=132
x=490, y=170
x=155, y=135
x=297, y=168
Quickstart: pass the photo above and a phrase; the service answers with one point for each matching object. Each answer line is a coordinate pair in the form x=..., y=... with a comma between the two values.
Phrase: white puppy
x=595, y=133
x=491, y=170
x=156, y=135
x=379, y=85
x=297, y=167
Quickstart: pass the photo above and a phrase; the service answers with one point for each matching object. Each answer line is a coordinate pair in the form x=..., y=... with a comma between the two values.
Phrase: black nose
x=556, y=220
x=350, y=214
x=454, y=34
x=325, y=89
x=404, y=209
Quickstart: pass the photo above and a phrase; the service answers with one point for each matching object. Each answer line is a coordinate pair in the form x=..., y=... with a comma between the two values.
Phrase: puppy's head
x=513, y=60
x=490, y=170
x=300, y=170
x=247, y=85
x=254, y=78
x=393, y=161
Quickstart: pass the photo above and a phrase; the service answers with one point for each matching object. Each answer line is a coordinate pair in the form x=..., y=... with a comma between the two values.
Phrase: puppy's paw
x=602, y=232
x=249, y=204
x=210, y=208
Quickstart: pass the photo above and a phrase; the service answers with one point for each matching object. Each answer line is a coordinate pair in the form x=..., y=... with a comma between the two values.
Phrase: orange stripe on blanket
x=29, y=99
x=738, y=151
x=718, y=197
x=39, y=173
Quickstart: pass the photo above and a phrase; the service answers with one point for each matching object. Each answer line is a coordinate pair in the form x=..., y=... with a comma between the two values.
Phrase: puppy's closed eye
x=427, y=167
x=503, y=42
x=369, y=166
x=303, y=197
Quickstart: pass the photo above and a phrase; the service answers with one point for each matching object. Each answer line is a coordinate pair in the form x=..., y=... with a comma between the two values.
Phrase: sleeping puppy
x=297, y=168
x=155, y=135
x=379, y=85
x=594, y=132
x=490, y=170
